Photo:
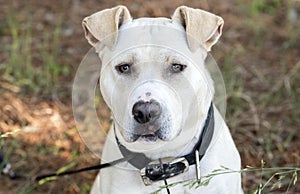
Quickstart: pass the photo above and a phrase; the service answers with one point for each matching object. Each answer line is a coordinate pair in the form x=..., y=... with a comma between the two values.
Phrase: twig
x=223, y=170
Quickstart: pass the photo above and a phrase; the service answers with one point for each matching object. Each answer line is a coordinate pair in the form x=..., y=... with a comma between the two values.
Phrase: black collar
x=140, y=160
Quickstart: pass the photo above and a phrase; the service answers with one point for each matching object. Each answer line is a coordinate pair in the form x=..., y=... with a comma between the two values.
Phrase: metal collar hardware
x=164, y=169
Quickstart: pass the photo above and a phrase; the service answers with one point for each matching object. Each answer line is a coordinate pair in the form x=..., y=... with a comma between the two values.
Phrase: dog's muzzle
x=146, y=115
x=163, y=169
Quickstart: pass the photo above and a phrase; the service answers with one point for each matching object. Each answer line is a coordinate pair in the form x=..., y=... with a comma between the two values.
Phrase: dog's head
x=153, y=75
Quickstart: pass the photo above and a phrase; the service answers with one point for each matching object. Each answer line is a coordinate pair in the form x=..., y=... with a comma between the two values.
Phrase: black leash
x=96, y=167
x=165, y=179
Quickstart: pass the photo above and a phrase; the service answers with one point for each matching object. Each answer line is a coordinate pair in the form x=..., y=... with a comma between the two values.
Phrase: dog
x=154, y=80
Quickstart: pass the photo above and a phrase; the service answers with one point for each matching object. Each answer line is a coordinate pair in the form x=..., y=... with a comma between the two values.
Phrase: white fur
x=185, y=100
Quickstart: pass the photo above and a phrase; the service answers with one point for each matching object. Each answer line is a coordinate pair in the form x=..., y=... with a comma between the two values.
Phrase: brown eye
x=176, y=68
x=124, y=68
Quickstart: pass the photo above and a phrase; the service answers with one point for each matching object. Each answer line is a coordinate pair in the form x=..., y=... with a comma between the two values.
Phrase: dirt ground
x=258, y=54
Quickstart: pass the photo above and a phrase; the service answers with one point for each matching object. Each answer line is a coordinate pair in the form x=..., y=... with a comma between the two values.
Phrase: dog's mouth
x=146, y=137
x=150, y=132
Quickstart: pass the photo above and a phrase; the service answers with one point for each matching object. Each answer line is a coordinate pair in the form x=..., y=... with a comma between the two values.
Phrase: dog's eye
x=124, y=68
x=176, y=68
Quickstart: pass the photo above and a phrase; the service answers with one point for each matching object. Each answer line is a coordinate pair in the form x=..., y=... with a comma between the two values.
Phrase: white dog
x=154, y=80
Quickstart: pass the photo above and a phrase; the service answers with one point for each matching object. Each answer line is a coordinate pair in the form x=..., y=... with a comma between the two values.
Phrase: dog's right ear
x=103, y=26
x=201, y=27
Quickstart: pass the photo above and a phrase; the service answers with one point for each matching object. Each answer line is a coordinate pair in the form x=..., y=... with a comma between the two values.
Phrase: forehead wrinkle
x=136, y=56
x=123, y=58
x=170, y=56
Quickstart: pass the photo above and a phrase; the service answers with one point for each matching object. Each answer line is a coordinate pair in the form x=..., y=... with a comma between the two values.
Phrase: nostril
x=139, y=112
x=144, y=112
x=139, y=116
x=154, y=109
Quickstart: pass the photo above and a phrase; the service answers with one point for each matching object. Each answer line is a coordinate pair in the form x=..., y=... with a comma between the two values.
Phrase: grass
x=234, y=87
x=21, y=67
x=263, y=115
x=10, y=143
x=276, y=177
x=277, y=139
x=254, y=8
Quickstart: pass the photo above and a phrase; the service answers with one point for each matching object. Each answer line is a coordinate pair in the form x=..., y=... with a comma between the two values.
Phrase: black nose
x=144, y=112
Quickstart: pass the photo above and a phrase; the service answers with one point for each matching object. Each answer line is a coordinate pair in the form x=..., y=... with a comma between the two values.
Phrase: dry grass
x=258, y=56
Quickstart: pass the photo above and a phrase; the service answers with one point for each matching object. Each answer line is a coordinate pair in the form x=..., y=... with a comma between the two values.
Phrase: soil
x=47, y=138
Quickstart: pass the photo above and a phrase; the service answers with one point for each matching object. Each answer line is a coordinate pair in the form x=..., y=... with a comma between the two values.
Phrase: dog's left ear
x=201, y=27
x=103, y=26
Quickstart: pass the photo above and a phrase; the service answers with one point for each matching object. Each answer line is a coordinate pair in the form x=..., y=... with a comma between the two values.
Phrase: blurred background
x=42, y=44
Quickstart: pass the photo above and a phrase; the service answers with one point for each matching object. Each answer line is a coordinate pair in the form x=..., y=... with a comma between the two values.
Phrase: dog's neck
x=140, y=160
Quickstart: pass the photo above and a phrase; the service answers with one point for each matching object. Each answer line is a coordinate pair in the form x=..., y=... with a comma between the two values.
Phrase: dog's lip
x=147, y=136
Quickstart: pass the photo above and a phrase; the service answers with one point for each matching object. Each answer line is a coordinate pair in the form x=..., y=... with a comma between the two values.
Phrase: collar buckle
x=163, y=169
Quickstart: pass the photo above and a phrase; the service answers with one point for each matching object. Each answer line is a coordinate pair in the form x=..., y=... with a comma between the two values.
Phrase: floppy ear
x=103, y=26
x=201, y=27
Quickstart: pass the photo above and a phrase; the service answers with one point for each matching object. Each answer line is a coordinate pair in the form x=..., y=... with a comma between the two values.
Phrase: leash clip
x=164, y=169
